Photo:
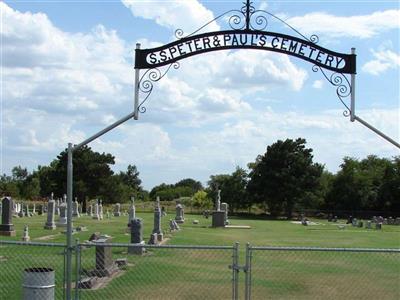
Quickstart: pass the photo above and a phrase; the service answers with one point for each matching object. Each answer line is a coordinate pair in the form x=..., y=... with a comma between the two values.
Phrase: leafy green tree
x=233, y=188
x=8, y=186
x=201, y=200
x=357, y=184
x=92, y=173
x=389, y=191
x=131, y=178
x=282, y=177
x=191, y=183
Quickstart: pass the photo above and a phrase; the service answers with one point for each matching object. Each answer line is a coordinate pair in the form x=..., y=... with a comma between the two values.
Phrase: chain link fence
x=323, y=273
x=132, y=271
x=31, y=269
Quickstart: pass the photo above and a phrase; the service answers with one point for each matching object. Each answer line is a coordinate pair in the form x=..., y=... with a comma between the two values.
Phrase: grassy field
x=205, y=273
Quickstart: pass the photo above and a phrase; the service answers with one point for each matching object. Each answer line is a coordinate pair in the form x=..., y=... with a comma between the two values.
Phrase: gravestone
x=179, y=218
x=224, y=208
x=75, y=208
x=136, y=237
x=27, y=213
x=6, y=227
x=390, y=221
x=57, y=211
x=153, y=239
x=21, y=212
x=218, y=216
x=397, y=221
x=385, y=221
x=90, y=210
x=157, y=221
x=354, y=222
x=132, y=212
x=26, y=237
x=335, y=218
x=163, y=211
x=378, y=226
x=360, y=224
x=34, y=209
x=368, y=225
x=50, y=215
x=173, y=225
x=104, y=263
x=117, y=210
x=62, y=221
x=95, y=214
x=350, y=220
x=101, y=210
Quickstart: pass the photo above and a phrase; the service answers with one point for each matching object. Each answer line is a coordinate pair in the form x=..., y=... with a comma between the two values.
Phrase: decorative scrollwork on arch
x=147, y=80
x=342, y=84
x=247, y=18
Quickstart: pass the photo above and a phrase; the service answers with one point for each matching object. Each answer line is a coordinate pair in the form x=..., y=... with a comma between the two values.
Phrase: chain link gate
x=138, y=271
x=321, y=273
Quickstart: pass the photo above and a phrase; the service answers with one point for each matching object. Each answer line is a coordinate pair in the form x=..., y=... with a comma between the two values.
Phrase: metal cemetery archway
x=247, y=31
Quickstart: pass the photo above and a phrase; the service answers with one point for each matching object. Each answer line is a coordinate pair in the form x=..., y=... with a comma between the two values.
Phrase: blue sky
x=67, y=72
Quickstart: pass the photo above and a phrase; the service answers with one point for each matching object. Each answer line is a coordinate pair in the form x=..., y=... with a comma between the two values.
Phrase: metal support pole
x=105, y=130
x=377, y=131
x=69, y=221
x=136, y=108
x=353, y=92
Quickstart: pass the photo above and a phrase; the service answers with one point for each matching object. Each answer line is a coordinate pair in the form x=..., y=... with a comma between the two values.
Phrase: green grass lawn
x=205, y=274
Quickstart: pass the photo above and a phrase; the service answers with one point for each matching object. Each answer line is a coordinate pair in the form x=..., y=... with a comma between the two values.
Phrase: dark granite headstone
x=136, y=237
x=6, y=227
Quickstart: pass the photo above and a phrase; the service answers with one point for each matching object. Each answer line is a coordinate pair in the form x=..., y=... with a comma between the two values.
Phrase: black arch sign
x=245, y=39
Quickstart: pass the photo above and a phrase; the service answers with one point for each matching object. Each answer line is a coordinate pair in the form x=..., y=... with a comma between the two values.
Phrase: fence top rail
x=196, y=247
x=275, y=248
x=32, y=243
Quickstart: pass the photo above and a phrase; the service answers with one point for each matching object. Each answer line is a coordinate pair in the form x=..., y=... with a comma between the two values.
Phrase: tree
x=233, y=188
x=201, y=200
x=282, y=177
x=131, y=178
x=357, y=184
x=92, y=173
x=8, y=186
x=389, y=191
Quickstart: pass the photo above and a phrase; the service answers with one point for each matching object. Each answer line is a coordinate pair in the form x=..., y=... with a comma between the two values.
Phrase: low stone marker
x=179, y=218
x=117, y=210
x=26, y=237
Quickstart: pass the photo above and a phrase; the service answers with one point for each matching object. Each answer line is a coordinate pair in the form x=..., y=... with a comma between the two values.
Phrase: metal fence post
x=235, y=271
x=248, y=272
x=77, y=268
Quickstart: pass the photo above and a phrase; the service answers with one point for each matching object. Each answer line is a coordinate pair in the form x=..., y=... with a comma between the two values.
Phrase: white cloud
x=363, y=26
x=74, y=84
x=318, y=84
x=188, y=15
x=383, y=61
